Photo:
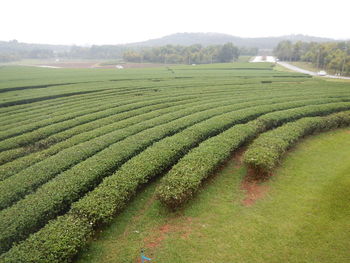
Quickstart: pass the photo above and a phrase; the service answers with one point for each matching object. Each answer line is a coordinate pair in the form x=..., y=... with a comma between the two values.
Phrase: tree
x=227, y=53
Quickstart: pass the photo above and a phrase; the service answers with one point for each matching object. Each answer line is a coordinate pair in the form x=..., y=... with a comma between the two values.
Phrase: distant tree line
x=94, y=52
x=14, y=50
x=194, y=54
x=333, y=56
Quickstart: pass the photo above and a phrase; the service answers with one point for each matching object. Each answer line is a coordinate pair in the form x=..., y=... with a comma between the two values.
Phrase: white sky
x=123, y=21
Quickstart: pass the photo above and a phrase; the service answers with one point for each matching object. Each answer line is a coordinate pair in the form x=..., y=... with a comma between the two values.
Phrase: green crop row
x=52, y=107
x=15, y=187
x=32, y=212
x=25, y=118
x=266, y=151
x=56, y=124
x=113, y=193
x=110, y=196
x=15, y=166
x=34, y=95
x=44, y=132
x=96, y=127
x=38, y=107
x=81, y=134
x=114, y=116
x=68, y=119
x=17, y=109
x=185, y=178
x=79, y=101
x=58, y=242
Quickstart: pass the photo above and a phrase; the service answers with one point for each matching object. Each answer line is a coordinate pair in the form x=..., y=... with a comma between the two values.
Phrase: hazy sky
x=123, y=21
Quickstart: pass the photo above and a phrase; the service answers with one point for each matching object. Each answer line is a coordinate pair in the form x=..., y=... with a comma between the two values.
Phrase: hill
x=206, y=39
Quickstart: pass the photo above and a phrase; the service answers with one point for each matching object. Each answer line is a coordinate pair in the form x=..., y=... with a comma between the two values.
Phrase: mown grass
x=304, y=217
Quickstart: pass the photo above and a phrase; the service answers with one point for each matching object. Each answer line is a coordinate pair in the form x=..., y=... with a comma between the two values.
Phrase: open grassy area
x=302, y=217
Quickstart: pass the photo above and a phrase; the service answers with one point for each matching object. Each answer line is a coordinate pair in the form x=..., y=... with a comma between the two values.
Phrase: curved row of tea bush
x=75, y=108
x=19, y=120
x=19, y=109
x=15, y=166
x=111, y=195
x=58, y=242
x=43, y=132
x=9, y=99
x=60, y=141
x=185, y=178
x=51, y=128
x=77, y=103
x=80, y=102
x=32, y=212
x=119, y=115
x=15, y=187
x=265, y=152
x=70, y=119
x=48, y=244
x=91, y=130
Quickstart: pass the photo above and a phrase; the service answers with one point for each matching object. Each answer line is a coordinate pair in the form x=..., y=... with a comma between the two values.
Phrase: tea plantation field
x=78, y=145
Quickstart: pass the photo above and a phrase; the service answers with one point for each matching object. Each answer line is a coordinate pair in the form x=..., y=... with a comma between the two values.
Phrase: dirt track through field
x=253, y=187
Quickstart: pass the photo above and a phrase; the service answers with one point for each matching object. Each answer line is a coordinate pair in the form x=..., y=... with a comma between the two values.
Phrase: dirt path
x=254, y=188
x=300, y=70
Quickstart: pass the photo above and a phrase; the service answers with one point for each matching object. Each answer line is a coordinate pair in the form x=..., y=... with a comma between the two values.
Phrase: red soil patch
x=158, y=235
x=154, y=242
x=253, y=187
x=251, y=184
x=254, y=192
x=347, y=131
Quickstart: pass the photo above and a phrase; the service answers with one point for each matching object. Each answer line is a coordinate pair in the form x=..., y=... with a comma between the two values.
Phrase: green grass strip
x=264, y=154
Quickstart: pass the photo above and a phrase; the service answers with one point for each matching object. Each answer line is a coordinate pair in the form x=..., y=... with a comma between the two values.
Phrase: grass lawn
x=304, y=216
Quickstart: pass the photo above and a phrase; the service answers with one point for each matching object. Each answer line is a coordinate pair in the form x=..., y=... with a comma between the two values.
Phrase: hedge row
x=38, y=106
x=17, y=186
x=89, y=131
x=73, y=120
x=101, y=117
x=266, y=151
x=13, y=167
x=85, y=110
x=9, y=155
x=59, y=243
x=32, y=212
x=98, y=100
x=185, y=178
x=25, y=119
x=112, y=194
x=56, y=110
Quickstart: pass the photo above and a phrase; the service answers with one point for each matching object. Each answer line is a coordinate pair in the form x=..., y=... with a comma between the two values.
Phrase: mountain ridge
x=212, y=38
x=191, y=38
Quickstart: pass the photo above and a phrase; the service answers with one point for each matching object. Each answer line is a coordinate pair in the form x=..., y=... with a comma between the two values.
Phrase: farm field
x=302, y=216
x=107, y=154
